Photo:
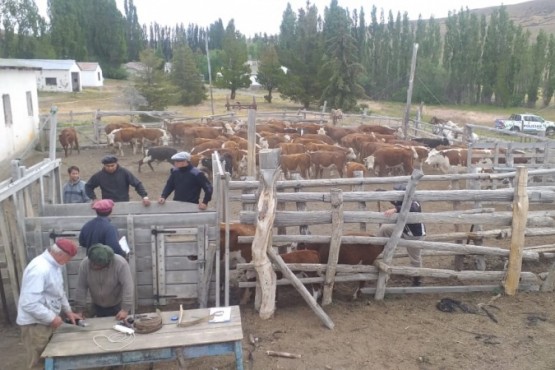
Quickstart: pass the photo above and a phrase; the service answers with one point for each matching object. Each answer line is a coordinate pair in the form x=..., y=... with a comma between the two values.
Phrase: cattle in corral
x=292, y=148
x=306, y=256
x=355, y=140
x=211, y=144
x=235, y=157
x=158, y=154
x=349, y=254
x=156, y=136
x=336, y=133
x=230, y=144
x=270, y=128
x=352, y=167
x=112, y=126
x=327, y=160
x=368, y=148
x=307, y=128
x=436, y=120
x=452, y=160
x=121, y=136
x=432, y=142
x=384, y=130
x=200, y=140
x=304, y=140
x=386, y=158
x=69, y=140
x=290, y=163
x=177, y=130
x=325, y=138
x=272, y=141
x=421, y=151
x=226, y=160
x=243, y=143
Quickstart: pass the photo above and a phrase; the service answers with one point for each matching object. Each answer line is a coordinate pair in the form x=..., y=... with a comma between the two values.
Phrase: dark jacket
x=412, y=229
x=115, y=185
x=100, y=230
x=186, y=183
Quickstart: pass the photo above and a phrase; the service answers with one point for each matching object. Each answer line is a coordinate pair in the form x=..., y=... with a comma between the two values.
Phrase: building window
x=50, y=81
x=8, y=119
x=29, y=104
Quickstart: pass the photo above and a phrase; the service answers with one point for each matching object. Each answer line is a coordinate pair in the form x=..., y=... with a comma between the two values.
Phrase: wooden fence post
x=266, y=277
x=389, y=248
x=336, y=196
x=361, y=205
x=301, y=206
x=518, y=228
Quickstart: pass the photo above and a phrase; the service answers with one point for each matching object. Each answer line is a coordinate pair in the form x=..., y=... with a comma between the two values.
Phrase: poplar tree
x=186, y=76
x=152, y=82
x=270, y=74
x=235, y=71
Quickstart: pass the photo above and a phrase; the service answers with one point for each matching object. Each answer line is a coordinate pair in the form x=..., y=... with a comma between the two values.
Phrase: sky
x=259, y=16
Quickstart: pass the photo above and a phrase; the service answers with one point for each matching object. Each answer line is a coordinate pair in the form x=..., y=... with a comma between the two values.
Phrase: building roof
x=64, y=64
x=88, y=66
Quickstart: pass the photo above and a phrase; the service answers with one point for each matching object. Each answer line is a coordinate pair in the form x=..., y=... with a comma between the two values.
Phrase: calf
x=323, y=159
x=226, y=159
x=290, y=162
x=352, y=167
x=349, y=254
x=452, y=160
x=304, y=256
x=120, y=136
x=158, y=154
x=69, y=140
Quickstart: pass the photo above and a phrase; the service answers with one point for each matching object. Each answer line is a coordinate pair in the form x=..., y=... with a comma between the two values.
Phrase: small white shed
x=54, y=75
x=91, y=74
x=19, y=109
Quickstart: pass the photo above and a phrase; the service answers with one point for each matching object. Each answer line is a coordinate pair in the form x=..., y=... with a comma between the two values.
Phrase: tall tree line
x=336, y=55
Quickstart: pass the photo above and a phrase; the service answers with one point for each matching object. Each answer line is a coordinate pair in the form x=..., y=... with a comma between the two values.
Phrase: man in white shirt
x=43, y=299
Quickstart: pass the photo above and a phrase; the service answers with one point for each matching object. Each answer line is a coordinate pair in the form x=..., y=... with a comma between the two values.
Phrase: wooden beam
x=520, y=216
x=335, y=244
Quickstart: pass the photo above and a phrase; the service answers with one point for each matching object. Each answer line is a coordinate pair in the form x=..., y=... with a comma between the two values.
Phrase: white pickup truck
x=527, y=123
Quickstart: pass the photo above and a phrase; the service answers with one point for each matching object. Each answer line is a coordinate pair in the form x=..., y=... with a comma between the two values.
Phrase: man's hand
x=74, y=316
x=390, y=212
x=202, y=206
x=57, y=322
x=121, y=315
x=146, y=202
x=161, y=200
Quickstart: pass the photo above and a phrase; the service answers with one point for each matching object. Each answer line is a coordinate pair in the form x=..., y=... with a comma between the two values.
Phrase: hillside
x=531, y=15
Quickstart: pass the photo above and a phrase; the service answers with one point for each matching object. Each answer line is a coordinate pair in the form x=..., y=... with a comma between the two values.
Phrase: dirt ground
x=400, y=332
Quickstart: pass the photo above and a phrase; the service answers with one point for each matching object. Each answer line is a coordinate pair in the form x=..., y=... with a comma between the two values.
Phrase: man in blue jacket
x=100, y=230
x=410, y=232
x=186, y=181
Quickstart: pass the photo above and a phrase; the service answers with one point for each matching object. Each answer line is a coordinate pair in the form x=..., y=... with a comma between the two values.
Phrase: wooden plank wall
x=182, y=250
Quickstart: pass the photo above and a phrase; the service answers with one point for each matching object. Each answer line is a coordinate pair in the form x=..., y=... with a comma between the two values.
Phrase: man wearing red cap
x=100, y=229
x=43, y=299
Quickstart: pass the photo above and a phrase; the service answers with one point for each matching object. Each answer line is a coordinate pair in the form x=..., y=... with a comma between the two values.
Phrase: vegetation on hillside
x=338, y=57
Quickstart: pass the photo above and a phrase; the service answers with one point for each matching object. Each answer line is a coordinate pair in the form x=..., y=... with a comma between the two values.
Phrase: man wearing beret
x=100, y=229
x=114, y=182
x=186, y=182
x=43, y=299
x=107, y=277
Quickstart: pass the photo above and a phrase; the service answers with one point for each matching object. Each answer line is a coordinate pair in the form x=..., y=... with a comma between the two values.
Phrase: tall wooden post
x=518, y=228
x=262, y=242
x=389, y=248
x=52, y=137
x=336, y=196
x=409, y=91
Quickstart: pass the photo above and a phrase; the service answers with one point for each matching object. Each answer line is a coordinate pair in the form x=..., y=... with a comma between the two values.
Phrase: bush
x=116, y=73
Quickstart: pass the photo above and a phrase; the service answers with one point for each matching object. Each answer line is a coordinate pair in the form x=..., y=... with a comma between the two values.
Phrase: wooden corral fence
x=502, y=214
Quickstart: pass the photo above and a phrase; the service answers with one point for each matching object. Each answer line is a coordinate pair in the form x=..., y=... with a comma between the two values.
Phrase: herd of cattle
x=306, y=148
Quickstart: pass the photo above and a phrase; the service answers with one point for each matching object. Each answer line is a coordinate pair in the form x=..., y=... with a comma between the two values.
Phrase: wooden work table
x=76, y=349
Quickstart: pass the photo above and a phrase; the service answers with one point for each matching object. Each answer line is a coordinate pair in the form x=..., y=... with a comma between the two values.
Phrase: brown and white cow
x=387, y=158
x=327, y=160
x=292, y=162
x=121, y=136
x=456, y=159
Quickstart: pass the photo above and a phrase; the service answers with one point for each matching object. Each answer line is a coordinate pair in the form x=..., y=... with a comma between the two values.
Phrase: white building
x=19, y=110
x=53, y=75
x=91, y=74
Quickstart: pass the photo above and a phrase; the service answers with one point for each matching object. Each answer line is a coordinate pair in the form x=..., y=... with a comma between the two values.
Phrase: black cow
x=205, y=163
x=158, y=154
x=432, y=142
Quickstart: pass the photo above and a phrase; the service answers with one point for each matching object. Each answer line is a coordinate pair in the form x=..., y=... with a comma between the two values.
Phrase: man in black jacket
x=410, y=232
x=186, y=181
x=114, y=182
